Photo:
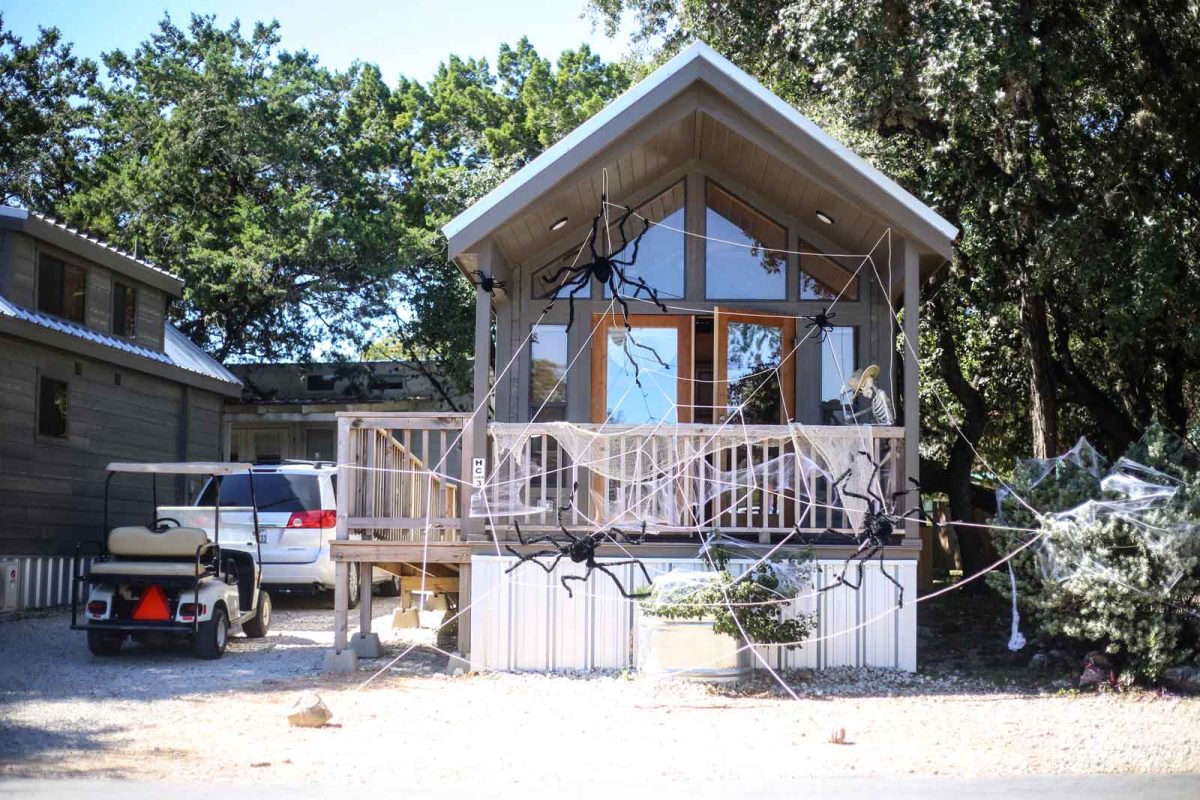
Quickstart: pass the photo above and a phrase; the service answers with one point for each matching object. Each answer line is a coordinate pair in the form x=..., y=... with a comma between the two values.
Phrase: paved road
x=1058, y=787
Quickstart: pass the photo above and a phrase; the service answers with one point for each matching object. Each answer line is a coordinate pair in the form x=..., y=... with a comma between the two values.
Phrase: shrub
x=1110, y=575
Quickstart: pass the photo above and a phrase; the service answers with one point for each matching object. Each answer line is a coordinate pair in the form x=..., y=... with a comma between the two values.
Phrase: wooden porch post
x=341, y=590
x=912, y=349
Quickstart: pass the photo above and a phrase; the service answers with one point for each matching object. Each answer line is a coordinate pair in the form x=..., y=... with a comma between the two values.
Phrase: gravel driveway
x=155, y=714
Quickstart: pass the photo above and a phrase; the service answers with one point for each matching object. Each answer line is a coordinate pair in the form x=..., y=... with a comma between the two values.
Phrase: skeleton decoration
x=608, y=269
x=581, y=550
x=878, y=526
x=487, y=282
x=823, y=322
x=863, y=382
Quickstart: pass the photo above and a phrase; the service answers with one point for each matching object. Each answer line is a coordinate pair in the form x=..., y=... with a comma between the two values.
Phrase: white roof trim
x=697, y=61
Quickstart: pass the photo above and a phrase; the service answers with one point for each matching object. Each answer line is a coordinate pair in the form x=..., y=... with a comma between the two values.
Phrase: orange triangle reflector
x=152, y=606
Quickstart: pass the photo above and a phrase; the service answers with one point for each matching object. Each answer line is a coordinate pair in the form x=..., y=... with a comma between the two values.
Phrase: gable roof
x=90, y=247
x=699, y=62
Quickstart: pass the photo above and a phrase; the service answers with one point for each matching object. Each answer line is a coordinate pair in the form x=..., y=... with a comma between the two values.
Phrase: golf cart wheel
x=390, y=587
x=257, y=627
x=104, y=644
x=212, y=636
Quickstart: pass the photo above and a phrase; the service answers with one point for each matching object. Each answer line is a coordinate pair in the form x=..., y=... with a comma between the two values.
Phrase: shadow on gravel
x=33, y=751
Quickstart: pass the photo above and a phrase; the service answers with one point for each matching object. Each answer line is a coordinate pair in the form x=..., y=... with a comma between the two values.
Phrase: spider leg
x=581, y=578
x=861, y=561
x=616, y=580
x=624, y=563
x=891, y=578
x=534, y=540
x=533, y=557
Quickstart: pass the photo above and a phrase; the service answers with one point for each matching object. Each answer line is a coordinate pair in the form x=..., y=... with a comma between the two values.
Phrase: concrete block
x=366, y=645
x=437, y=603
x=343, y=662
x=457, y=665
x=432, y=619
x=405, y=618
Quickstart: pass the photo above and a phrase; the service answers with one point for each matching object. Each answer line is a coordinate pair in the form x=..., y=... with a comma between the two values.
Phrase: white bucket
x=689, y=649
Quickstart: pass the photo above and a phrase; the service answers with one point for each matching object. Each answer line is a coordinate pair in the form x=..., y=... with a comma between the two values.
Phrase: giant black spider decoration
x=823, y=322
x=878, y=526
x=581, y=550
x=608, y=269
x=487, y=282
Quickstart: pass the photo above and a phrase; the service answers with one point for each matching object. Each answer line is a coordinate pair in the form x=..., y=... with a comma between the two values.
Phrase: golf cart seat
x=138, y=550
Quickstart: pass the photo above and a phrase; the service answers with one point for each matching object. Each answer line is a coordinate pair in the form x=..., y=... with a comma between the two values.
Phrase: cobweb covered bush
x=1119, y=567
x=753, y=601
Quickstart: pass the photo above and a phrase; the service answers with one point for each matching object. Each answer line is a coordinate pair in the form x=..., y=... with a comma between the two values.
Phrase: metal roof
x=179, y=351
x=698, y=62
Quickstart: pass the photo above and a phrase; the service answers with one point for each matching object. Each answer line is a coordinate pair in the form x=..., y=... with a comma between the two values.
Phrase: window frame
x=783, y=296
x=39, y=415
x=64, y=265
x=856, y=346
x=533, y=405
x=131, y=298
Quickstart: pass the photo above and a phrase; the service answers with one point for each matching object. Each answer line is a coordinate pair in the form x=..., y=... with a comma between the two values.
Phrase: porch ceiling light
x=821, y=215
x=558, y=224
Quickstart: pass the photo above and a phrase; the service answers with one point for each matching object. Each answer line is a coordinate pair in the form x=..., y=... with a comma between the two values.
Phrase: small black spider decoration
x=823, y=322
x=606, y=268
x=581, y=550
x=487, y=282
x=878, y=527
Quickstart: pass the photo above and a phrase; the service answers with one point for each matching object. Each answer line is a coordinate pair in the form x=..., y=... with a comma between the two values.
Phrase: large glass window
x=62, y=288
x=548, y=373
x=660, y=253
x=827, y=278
x=839, y=359
x=649, y=357
x=124, y=310
x=744, y=256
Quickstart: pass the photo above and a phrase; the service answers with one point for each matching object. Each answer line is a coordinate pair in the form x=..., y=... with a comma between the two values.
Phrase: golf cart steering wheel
x=161, y=526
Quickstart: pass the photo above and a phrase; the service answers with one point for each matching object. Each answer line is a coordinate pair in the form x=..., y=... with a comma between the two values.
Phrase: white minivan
x=297, y=518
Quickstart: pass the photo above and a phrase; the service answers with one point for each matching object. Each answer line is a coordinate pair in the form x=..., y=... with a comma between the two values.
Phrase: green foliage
x=1126, y=583
x=749, y=603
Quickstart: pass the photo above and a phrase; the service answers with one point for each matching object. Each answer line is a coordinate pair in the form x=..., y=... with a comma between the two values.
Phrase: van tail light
x=187, y=611
x=97, y=608
x=326, y=518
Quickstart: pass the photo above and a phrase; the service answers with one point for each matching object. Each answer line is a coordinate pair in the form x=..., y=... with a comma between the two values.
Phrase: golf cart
x=170, y=577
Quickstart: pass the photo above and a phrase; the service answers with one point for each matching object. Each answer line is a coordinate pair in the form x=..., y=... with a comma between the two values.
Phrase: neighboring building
x=91, y=373
x=287, y=410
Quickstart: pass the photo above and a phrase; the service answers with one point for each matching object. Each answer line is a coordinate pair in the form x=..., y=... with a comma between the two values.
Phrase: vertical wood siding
x=524, y=620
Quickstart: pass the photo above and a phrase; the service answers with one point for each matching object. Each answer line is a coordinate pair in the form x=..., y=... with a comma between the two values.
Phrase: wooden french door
x=658, y=352
x=754, y=366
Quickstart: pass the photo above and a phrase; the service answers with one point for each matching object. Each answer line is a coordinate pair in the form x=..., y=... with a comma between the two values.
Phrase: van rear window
x=274, y=492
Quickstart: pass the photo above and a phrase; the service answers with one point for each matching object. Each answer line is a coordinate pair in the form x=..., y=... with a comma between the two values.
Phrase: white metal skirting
x=524, y=620
x=45, y=581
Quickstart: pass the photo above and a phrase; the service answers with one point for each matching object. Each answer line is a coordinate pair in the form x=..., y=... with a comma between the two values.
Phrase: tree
x=43, y=121
x=1053, y=135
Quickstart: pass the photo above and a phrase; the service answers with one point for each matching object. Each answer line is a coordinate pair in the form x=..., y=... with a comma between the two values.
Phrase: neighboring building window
x=826, y=278
x=124, y=310
x=52, y=407
x=320, y=383
x=744, y=258
x=839, y=359
x=660, y=253
x=547, y=373
x=542, y=287
x=62, y=288
x=321, y=444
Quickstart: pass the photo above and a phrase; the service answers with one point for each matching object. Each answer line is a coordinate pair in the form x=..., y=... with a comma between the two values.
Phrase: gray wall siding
x=51, y=490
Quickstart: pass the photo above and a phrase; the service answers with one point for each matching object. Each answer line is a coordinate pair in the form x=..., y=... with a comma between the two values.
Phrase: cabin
x=762, y=269
x=92, y=372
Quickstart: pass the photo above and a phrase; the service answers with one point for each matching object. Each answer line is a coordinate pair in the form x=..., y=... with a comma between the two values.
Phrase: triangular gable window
x=827, y=278
x=744, y=251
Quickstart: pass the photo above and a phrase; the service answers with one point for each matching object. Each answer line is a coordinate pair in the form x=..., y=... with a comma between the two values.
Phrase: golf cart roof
x=183, y=467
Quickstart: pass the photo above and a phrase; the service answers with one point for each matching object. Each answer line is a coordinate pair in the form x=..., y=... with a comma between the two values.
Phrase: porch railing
x=759, y=481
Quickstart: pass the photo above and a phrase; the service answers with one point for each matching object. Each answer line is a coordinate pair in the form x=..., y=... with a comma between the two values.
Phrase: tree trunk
x=1043, y=400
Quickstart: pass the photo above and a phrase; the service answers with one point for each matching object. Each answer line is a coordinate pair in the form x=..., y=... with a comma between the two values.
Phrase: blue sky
x=404, y=37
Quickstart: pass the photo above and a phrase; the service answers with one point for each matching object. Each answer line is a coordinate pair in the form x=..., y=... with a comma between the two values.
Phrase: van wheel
x=104, y=644
x=390, y=587
x=352, y=600
x=210, y=640
x=257, y=627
